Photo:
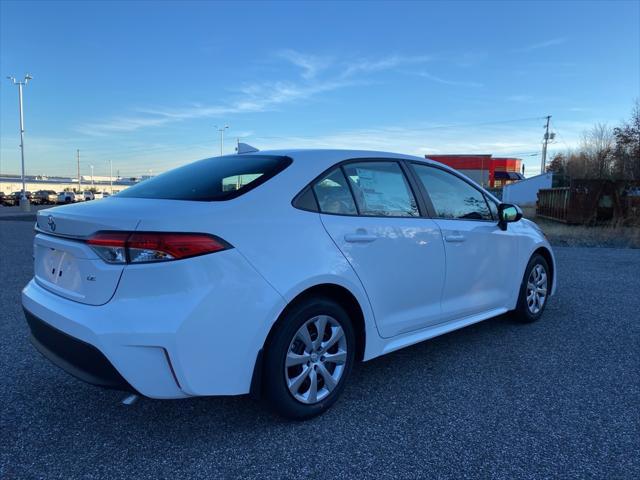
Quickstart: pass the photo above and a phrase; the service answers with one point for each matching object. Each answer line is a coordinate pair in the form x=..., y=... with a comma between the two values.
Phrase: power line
x=562, y=138
x=401, y=130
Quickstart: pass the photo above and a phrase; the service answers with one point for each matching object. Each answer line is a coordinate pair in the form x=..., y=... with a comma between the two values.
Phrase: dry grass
x=561, y=234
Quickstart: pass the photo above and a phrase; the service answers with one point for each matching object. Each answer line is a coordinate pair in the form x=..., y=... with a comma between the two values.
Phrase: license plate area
x=59, y=268
x=65, y=267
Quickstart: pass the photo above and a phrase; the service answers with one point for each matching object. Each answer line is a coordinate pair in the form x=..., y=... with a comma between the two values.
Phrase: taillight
x=110, y=246
x=142, y=247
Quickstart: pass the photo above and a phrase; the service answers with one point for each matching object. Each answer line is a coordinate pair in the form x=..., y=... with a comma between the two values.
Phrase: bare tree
x=627, y=151
x=598, y=145
x=577, y=165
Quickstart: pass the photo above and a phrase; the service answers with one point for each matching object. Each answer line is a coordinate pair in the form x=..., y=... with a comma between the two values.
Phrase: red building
x=487, y=170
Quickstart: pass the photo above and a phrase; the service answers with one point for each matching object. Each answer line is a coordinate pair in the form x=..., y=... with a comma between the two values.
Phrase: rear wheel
x=308, y=359
x=534, y=291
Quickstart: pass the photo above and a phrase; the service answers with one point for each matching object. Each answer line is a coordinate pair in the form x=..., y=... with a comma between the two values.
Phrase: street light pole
x=24, y=201
x=111, y=176
x=221, y=130
x=79, y=177
x=92, y=184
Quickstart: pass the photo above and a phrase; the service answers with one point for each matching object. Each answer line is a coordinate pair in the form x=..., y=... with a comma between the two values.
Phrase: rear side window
x=381, y=189
x=211, y=179
x=333, y=194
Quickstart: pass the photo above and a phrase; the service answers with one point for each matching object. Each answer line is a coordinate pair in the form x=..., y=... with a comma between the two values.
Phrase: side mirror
x=508, y=213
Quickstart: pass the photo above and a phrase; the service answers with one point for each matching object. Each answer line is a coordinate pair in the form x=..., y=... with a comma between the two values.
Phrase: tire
x=287, y=344
x=531, y=304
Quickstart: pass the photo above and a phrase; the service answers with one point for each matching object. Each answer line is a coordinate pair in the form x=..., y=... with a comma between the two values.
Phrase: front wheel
x=534, y=291
x=308, y=359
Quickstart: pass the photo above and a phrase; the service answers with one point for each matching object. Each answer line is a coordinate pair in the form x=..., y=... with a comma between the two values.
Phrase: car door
x=370, y=211
x=480, y=257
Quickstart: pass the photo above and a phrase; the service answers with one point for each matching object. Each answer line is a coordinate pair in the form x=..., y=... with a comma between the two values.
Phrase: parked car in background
x=89, y=195
x=2, y=198
x=45, y=197
x=70, y=197
x=273, y=272
x=9, y=200
x=15, y=197
x=66, y=197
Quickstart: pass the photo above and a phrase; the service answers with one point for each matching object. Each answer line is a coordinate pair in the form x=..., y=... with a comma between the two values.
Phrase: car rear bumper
x=170, y=331
x=78, y=358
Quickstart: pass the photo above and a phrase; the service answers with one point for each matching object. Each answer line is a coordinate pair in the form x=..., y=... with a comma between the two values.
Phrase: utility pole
x=221, y=130
x=544, y=146
x=79, y=179
x=24, y=201
x=92, y=184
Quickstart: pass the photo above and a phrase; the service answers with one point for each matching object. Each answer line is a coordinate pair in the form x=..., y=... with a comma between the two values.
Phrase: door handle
x=455, y=238
x=359, y=237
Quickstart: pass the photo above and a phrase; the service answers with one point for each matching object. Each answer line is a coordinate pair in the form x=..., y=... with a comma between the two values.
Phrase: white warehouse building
x=13, y=183
x=525, y=192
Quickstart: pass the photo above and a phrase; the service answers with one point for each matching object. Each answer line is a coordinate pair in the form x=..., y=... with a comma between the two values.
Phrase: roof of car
x=317, y=153
x=322, y=159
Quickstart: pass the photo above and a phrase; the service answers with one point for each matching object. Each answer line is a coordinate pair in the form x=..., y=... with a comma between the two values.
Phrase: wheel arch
x=341, y=295
x=338, y=293
x=548, y=256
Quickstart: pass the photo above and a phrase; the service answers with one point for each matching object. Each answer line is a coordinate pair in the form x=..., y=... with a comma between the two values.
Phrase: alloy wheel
x=316, y=359
x=536, y=289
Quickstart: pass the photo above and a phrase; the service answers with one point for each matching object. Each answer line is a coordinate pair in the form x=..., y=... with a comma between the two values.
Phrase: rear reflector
x=143, y=247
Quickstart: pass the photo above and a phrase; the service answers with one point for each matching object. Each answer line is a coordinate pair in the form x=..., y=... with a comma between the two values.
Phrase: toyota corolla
x=271, y=273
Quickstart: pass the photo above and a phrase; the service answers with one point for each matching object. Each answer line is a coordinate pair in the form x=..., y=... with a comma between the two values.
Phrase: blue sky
x=144, y=83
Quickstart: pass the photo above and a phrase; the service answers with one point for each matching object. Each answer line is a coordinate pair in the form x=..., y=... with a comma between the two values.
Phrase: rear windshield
x=211, y=179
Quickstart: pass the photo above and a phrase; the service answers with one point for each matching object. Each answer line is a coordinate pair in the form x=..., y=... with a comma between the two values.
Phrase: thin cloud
x=508, y=139
x=256, y=98
x=419, y=139
x=444, y=81
x=310, y=64
x=385, y=63
x=546, y=44
x=259, y=97
x=521, y=99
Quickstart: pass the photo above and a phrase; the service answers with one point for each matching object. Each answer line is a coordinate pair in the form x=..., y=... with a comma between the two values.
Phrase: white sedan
x=271, y=273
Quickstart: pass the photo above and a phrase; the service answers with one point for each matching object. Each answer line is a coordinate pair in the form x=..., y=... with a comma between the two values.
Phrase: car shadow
x=428, y=361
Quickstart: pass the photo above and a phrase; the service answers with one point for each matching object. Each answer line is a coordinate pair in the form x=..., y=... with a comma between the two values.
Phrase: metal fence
x=588, y=202
x=553, y=203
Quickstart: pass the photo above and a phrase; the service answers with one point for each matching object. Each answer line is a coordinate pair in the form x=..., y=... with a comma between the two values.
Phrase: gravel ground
x=559, y=398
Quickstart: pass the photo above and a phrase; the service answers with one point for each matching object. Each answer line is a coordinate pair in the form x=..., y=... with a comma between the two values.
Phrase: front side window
x=452, y=197
x=381, y=189
x=218, y=178
x=333, y=194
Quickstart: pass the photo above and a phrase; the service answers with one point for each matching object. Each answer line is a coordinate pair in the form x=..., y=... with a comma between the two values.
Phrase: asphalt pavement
x=558, y=398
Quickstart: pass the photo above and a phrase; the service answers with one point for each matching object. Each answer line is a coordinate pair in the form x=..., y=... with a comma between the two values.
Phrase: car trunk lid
x=67, y=266
x=64, y=264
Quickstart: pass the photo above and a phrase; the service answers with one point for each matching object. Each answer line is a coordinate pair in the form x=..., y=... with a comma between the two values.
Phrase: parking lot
x=558, y=398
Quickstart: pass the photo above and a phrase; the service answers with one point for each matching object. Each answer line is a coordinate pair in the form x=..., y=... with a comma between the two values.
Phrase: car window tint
x=333, y=194
x=218, y=178
x=451, y=196
x=381, y=189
